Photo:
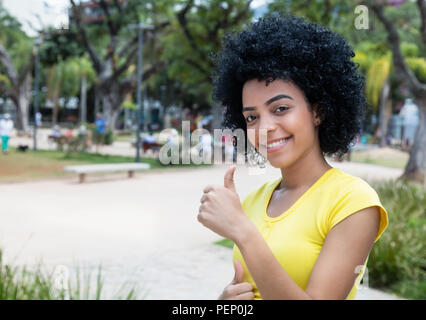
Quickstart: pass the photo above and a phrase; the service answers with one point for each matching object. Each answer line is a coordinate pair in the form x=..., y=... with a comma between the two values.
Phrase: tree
x=112, y=51
x=66, y=79
x=16, y=65
x=416, y=166
x=375, y=62
x=194, y=33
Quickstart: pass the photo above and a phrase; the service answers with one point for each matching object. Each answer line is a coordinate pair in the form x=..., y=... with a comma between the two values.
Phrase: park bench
x=83, y=170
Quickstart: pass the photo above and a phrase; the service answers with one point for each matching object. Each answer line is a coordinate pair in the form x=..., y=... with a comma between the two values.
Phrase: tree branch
x=195, y=65
x=125, y=65
x=26, y=69
x=7, y=63
x=113, y=32
x=97, y=65
x=128, y=47
x=130, y=83
x=181, y=16
x=422, y=8
x=407, y=74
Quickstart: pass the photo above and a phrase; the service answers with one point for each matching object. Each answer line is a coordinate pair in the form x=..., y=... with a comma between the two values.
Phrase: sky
x=50, y=12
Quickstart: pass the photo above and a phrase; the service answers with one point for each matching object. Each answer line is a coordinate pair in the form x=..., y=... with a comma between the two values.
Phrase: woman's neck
x=304, y=172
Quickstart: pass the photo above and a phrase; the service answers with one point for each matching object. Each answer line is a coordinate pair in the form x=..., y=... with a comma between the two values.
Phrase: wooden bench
x=83, y=170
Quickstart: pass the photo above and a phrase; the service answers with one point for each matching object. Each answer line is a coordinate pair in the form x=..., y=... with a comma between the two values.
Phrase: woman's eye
x=250, y=118
x=281, y=109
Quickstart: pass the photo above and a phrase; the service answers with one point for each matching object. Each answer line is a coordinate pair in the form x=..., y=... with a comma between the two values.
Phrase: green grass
x=124, y=137
x=397, y=160
x=225, y=243
x=42, y=164
x=24, y=283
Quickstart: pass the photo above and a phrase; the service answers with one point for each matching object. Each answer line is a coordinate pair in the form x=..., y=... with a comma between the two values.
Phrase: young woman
x=308, y=234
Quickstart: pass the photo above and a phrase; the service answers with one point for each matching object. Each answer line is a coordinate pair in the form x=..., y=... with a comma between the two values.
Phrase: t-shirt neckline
x=298, y=201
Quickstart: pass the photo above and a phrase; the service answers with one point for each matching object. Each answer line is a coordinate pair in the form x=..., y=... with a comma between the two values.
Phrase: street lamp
x=37, y=44
x=141, y=27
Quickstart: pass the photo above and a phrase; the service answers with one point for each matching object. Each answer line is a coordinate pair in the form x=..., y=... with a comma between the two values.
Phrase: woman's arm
x=346, y=246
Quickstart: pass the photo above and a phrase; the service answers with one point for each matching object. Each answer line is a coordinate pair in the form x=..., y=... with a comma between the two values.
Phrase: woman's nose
x=267, y=124
x=266, y=127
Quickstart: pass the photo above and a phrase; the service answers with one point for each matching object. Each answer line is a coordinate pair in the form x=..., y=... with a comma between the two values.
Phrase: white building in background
x=410, y=120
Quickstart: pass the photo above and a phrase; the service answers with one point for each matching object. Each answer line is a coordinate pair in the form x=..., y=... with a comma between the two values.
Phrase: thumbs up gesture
x=221, y=210
x=237, y=289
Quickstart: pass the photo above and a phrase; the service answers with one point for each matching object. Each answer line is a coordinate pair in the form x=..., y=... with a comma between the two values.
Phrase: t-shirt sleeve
x=353, y=198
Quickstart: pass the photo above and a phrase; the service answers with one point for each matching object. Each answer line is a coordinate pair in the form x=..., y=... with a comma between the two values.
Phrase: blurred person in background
x=6, y=127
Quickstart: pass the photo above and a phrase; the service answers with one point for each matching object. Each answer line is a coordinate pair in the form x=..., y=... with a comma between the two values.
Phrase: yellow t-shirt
x=297, y=235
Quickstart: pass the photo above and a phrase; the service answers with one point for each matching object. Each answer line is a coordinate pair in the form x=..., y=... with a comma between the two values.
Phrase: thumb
x=239, y=272
x=229, y=179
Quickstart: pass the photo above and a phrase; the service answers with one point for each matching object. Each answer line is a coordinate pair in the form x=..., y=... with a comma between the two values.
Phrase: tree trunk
x=23, y=98
x=55, y=101
x=416, y=166
x=383, y=117
x=110, y=111
x=112, y=100
x=83, y=99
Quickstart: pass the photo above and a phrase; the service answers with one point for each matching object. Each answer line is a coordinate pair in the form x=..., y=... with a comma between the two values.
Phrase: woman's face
x=280, y=109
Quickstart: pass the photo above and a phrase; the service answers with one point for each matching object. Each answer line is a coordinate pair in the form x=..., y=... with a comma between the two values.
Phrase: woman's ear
x=316, y=118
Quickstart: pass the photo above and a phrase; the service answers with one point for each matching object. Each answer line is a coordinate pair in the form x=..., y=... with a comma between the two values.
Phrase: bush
x=109, y=137
x=397, y=261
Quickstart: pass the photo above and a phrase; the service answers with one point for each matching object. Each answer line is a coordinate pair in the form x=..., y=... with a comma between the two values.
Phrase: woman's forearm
x=272, y=281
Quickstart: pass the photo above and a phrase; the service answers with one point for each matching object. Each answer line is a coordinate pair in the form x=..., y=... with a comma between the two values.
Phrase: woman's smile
x=276, y=145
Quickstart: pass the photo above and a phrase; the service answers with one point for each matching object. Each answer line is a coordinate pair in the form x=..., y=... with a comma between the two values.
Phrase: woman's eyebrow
x=277, y=97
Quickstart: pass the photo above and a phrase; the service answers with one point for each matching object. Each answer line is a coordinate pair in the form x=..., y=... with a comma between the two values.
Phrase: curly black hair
x=312, y=57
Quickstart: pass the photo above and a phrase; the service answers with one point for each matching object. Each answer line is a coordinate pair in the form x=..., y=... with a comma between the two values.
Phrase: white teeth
x=276, y=143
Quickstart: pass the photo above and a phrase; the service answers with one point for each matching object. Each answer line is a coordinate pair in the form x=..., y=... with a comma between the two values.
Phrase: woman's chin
x=278, y=161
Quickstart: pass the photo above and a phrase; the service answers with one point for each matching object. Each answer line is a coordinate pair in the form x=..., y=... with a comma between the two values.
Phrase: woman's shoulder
x=354, y=194
x=344, y=183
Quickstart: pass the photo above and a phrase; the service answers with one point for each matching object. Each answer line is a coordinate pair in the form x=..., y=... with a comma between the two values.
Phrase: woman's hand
x=221, y=210
x=238, y=290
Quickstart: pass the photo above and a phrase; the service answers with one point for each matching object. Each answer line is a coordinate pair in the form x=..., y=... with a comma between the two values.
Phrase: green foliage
x=225, y=243
x=5, y=80
x=407, y=20
x=362, y=59
x=18, y=45
x=418, y=65
x=398, y=258
x=409, y=49
x=129, y=105
x=65, y=76
x=59, y=45
x=109, y=137
x=377, y=75
x=188, y=43
x=24, y=283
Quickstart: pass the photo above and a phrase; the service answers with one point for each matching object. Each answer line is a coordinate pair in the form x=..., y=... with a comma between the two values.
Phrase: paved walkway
x=142, y=230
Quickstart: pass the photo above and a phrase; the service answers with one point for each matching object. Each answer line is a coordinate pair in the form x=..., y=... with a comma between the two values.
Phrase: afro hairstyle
x=312, y=57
